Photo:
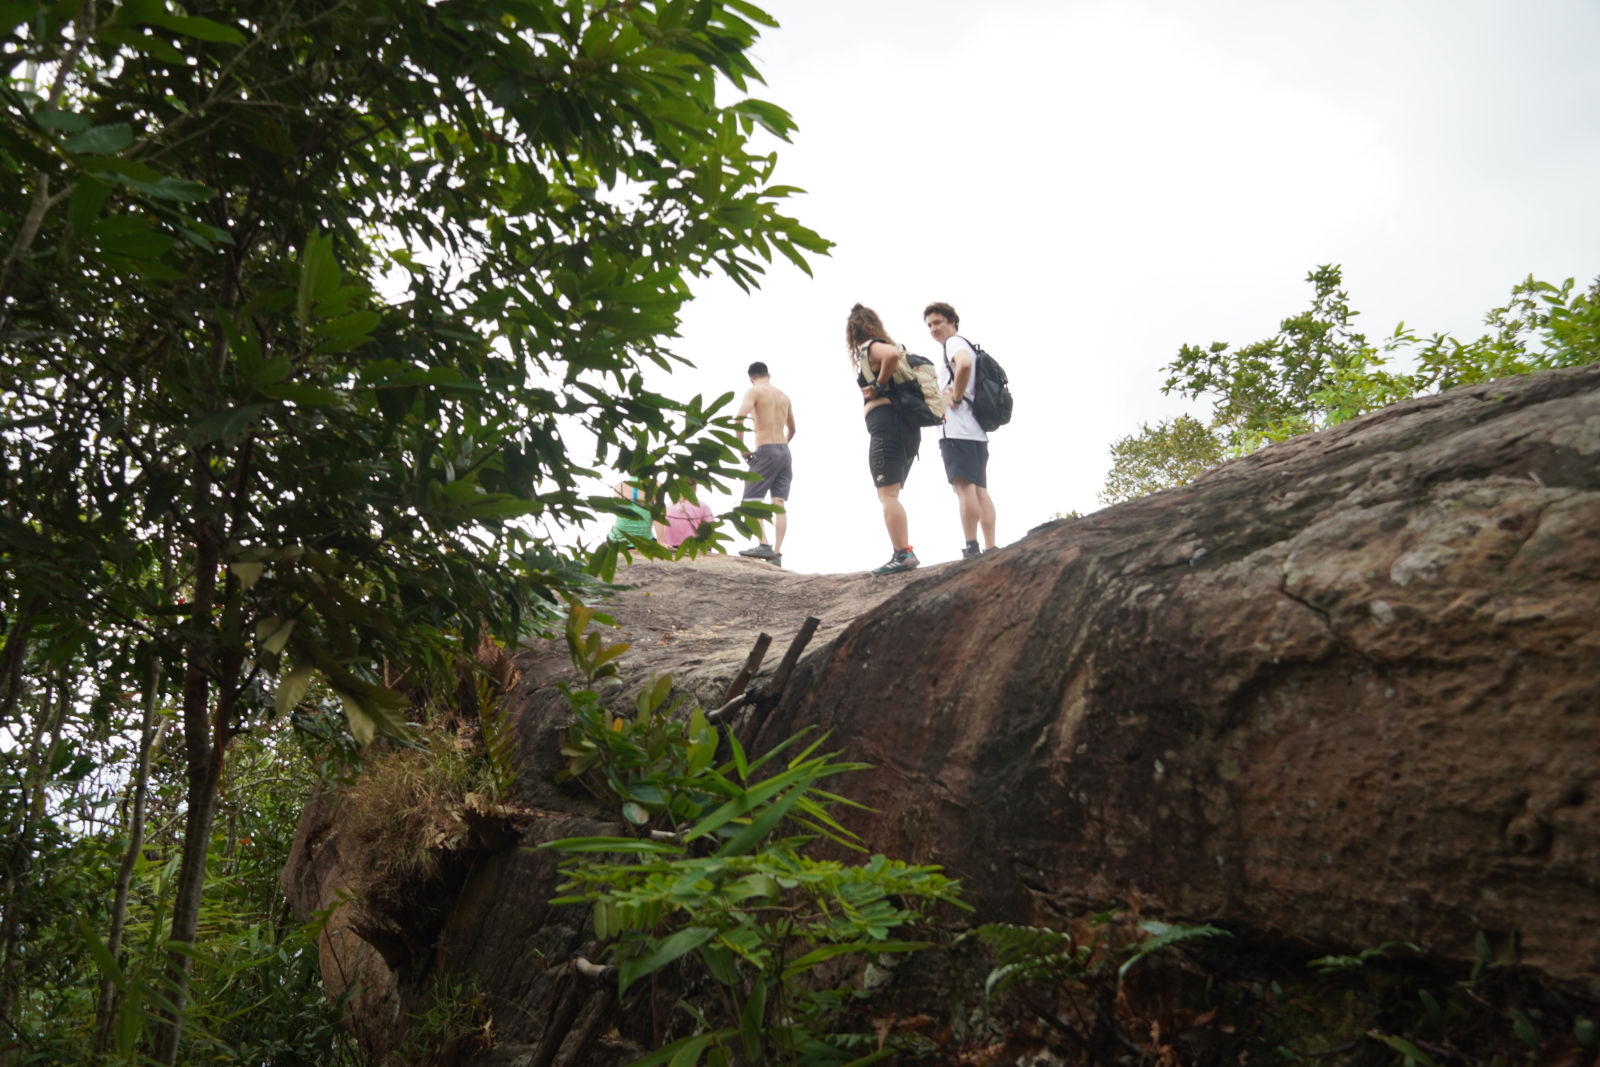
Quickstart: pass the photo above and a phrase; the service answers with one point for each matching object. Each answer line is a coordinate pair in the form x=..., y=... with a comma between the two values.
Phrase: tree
x=1318, y=371
x=309, y=303
x=1174, y=452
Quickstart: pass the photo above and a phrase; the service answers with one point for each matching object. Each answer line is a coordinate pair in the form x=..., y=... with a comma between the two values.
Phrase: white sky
x=1093, y=184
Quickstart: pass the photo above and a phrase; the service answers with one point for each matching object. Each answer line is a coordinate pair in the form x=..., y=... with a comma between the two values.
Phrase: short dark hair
x=758, y=369
x=939, y=307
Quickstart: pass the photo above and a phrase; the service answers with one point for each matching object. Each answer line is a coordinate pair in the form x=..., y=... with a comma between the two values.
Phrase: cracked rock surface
x=1343, y=690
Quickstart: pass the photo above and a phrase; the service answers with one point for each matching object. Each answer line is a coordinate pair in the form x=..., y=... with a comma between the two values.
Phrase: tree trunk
x=106, y=1007
x=40, y=758
x=202, y=756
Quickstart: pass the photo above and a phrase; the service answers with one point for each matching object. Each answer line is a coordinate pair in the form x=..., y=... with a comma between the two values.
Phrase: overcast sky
x=1094, y=184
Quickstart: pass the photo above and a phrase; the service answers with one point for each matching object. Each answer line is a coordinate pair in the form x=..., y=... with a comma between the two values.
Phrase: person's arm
x=790, y=426
x=745, y=408
x=889, y=357
x=956, y=391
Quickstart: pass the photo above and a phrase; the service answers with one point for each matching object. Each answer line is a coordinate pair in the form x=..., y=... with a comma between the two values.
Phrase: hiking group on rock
x=900, y=395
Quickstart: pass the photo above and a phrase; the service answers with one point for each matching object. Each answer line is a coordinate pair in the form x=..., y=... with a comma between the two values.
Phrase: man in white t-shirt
x=962, y=442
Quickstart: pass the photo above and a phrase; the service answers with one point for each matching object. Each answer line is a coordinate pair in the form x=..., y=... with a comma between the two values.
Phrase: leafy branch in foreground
x=1087, y=969
x=310, y=317
x=726, y=885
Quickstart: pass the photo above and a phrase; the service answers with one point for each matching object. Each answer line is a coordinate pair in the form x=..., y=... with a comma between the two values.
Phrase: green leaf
x=635, y=814
x=659, y=954
x=762, y=825
x=319, y=275
x=1163, y=935
x=799, y=966
x=273, y=633
x=748, y=800
x=721, y=962
x=88, y=198
x=201, y=29
x=100, y=140
x=102, y=955
x=227, y=425
x=247, y=573
x=301, y=395
x=372, y=709
x=175, y=189
x=1526, y=1032
x=291, y=689
x=128, y=235
x=50, y=118
x=689, y=1054
x=752, y=1020
x=611, y=844
x=1404, y=1047
x=691, y=1047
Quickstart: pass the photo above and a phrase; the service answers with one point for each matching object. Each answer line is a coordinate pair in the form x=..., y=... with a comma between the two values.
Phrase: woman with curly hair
x=893, y=445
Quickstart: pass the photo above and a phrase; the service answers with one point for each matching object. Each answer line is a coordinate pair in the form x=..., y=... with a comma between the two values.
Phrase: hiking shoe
x=777, y=560
x=762, y=551
x=970, y=553
x=903, y=560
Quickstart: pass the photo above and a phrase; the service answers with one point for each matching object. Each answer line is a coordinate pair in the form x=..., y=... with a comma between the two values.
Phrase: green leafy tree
x=304, y=308
x=1318, y=371
x=720, y=875
x=1173, y=452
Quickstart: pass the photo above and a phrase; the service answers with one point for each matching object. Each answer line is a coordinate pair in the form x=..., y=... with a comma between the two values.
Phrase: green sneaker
x=903, y=560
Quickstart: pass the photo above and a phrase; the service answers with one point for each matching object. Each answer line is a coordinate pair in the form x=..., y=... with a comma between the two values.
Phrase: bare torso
x=768, y=408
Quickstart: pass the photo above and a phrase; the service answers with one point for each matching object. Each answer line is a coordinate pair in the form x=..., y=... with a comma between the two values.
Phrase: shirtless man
x=774, y=425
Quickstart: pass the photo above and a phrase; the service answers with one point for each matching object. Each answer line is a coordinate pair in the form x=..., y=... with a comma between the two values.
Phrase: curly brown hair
x=939, y=307
x=864, y=325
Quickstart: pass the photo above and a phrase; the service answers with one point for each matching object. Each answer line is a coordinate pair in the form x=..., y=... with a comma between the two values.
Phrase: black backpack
x=991, y=397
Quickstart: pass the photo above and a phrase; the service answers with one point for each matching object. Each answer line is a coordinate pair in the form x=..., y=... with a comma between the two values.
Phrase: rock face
x=1341, y=691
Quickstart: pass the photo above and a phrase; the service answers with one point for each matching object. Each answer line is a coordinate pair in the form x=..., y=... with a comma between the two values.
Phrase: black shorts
x=776, y=468
x=893, y=446
x=966, y=460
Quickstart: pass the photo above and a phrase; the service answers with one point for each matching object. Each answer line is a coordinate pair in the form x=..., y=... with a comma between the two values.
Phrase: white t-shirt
x=959, y=421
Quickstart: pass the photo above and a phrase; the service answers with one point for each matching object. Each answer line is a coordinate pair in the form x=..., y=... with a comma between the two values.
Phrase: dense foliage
x=1318, y=371
x=309, y=316
x=720, y=874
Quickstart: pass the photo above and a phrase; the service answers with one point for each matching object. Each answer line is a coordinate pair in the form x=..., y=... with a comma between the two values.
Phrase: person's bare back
x=768, y=407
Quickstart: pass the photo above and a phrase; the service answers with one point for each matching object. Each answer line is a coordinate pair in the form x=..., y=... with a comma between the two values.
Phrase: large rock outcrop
x=1341, y=691
x=1345, y=689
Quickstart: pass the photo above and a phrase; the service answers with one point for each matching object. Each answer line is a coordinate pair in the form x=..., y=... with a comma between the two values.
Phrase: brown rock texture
x=1341, y=691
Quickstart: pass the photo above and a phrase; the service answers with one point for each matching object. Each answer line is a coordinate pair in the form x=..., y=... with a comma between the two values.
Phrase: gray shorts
x=776, y=468
x=967, y=461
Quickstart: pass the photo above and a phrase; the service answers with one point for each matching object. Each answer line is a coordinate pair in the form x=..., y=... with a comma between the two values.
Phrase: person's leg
x=967, y=498
x=780, y=526
x=985, y=517
x=894, y=516
x=760, y=464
